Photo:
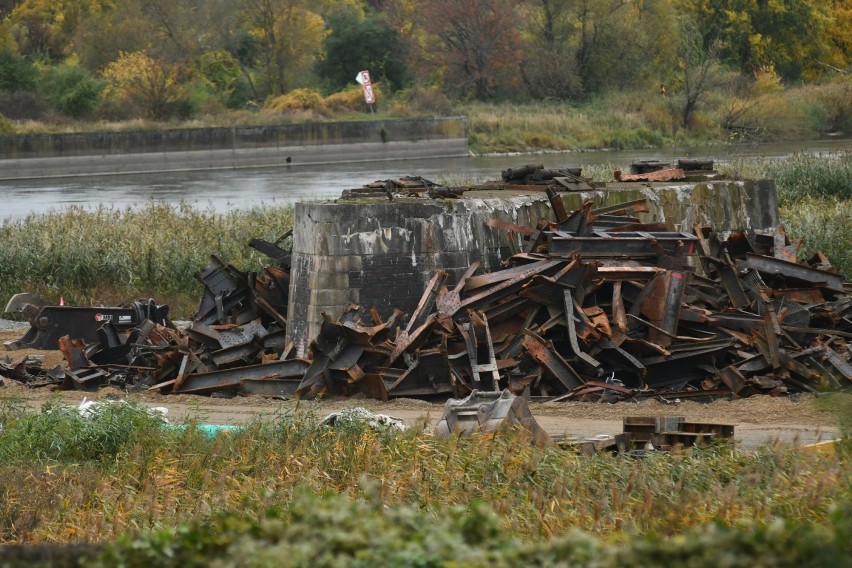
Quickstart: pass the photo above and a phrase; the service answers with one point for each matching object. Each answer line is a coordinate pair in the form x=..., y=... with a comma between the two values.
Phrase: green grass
x=109, y=255
x=801, y=175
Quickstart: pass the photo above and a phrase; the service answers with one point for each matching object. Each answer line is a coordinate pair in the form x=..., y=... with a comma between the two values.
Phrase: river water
x=222, y=190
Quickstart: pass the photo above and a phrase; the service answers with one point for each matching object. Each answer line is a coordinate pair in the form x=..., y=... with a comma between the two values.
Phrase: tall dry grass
x=109, y=255
x=61, y=491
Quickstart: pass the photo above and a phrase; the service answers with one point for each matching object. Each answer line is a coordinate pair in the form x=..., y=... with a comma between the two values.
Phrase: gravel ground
x=10, y=325
x=758, y=419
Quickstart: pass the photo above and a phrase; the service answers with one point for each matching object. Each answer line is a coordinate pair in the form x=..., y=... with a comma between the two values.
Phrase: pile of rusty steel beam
x=238, y=325
x=599, y=306
x=602, y=307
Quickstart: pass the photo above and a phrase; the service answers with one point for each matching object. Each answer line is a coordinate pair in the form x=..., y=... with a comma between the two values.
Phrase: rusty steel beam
x=557, y=205
x=619, y=244
x=230, y=379
x=506, y=287
x=799, y=272
x=507, y=226
x=572, y=332
x=668, y=174
x=272, y=388
x=553, y=362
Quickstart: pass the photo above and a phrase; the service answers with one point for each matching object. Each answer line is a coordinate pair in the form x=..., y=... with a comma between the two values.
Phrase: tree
x=46, y=28
x=789, y=35
x=583, y=47
x=838, y=58
x=16, y=74
x=357, y=43
x=550, y=68
x=148, y=84
x=696, y=65
x=476, y=44
x=289, y=39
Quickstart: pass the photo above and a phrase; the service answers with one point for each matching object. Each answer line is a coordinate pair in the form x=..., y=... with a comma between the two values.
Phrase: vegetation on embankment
x=264, y=494
x=636, y=119
x=107, y=256
x=625, y=74
x=632, y=119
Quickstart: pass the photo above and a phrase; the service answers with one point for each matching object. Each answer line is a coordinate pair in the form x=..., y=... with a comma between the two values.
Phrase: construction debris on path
x=598, y=307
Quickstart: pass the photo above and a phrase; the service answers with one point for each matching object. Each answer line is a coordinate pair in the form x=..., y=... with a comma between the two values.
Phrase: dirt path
x=759, y=419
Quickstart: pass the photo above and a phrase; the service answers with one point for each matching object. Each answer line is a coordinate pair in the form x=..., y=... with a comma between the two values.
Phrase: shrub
x=296, y=100
x=348, y=100
x=85, y=255
x=16, y=74
x=71, y=90
x=800, y=175
x=7, y=126
x=823, y=225
x=422, y=100
x=222, y=71
x=60, y=432
x=337, y=531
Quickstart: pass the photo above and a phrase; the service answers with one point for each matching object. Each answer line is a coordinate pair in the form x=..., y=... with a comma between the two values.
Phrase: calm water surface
x=222, y=190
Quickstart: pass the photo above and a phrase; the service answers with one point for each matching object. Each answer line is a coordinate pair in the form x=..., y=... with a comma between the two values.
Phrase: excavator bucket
x=489, y=412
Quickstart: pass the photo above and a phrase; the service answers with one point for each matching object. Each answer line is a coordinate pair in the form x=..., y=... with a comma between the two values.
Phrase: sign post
x=363, y=78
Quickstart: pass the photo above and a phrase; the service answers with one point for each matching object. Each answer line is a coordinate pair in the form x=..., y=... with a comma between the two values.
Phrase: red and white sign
x=363, y=79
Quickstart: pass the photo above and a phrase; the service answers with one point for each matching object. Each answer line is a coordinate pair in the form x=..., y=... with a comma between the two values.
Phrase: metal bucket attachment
x=489, y=412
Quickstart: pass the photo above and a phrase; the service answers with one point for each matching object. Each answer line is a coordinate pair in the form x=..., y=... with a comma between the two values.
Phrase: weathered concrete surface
x=107, y=153
x=723, y=204
x=382, y=253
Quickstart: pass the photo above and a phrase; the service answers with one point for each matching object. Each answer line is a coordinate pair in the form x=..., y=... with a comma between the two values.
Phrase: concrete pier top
x=382, y=253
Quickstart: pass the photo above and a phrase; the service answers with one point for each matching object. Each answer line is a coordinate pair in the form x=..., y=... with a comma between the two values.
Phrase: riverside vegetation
x=530, y=74
x=88, y=257
x=283, y=491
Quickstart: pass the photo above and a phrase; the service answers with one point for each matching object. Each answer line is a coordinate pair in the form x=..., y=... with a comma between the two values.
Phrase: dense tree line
x=160, y=59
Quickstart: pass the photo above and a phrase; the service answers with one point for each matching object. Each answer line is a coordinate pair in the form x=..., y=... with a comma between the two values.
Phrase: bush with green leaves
x=336, y=531
x=71, y=90
x=16, y=73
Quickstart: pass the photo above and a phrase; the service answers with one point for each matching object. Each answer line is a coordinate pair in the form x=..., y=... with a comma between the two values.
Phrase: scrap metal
x=600, y=306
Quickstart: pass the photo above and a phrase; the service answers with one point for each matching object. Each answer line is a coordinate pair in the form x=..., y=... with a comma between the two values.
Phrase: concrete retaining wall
x=64, y=155
x=382, y=253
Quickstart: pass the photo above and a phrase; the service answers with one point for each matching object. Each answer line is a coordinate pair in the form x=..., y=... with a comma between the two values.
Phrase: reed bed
x=106, y=255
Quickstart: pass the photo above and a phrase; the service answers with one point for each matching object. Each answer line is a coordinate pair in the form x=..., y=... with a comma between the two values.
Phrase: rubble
x=360, y=415
x=597, y=306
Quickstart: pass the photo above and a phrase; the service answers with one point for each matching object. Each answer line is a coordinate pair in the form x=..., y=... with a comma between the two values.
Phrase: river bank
x=62, y=155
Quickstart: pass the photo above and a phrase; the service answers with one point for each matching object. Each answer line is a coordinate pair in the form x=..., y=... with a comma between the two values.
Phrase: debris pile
x=535, y=177
x=238, y=325
x=602, y=307
x=599, y=306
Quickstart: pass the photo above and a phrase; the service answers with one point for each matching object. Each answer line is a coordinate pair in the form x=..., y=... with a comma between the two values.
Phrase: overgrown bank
x=265, y=495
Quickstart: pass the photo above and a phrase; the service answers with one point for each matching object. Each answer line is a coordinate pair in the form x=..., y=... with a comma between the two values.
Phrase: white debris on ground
x=88, y=408
x=360, y=414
